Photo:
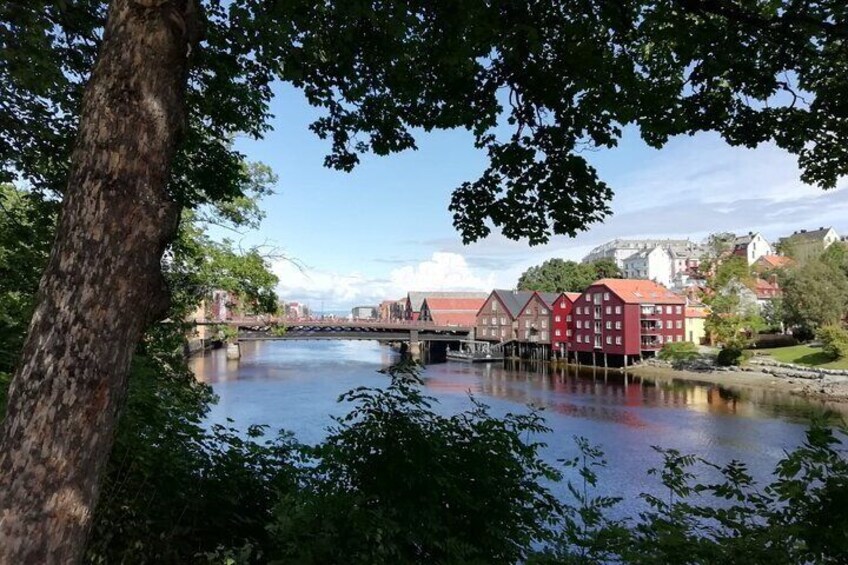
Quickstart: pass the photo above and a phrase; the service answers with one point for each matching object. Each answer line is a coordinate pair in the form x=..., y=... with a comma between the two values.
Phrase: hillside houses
x=804, y=245
x=752, y=246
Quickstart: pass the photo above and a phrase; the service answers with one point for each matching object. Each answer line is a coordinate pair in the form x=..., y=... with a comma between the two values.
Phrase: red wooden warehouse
x=626, y=319
x=563, y=323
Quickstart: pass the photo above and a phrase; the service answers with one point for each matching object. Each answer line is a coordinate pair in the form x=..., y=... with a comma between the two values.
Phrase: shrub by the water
x=834, y=341
x=731, y=356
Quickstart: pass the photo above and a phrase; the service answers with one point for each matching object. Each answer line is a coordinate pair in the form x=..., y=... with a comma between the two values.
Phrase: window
x=618, y=309
x=503, y=320
x=597, y=297
x=568, y=318
x=680, y=338
x=679, y=324
x=567, y=333
x=609, y=340
x=494, y=321
x=609, y=325
x=494, y=305
x=563, y=305
x=668, y=324
x=526, y=334
x=588, y=298
x=579, y=311
x=618, y=340
x=579, y=338
x=618, y=325
x=557, y=319
x=543, y=311
x=544, y=323
x=659, y=339
x=485, y=321
x=579, y=325
x=608, y=310
x=557, y=333
x=503, y=332
x=678, y=309
x=544, y=336
x=667, y=310
x=528, y=312
x=606, y=296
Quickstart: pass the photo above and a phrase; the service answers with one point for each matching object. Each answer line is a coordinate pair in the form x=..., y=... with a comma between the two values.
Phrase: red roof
x=696, y=312
x=640, y=291
x=775, y=261
x=454, y=311
x=764, y=289
x=573, y=296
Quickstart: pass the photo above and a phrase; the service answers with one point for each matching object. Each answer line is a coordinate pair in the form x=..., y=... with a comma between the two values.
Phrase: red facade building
x=563, y=323
x=627, y=318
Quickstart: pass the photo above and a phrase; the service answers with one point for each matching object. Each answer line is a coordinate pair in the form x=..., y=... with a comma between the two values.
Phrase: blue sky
x=385, y=229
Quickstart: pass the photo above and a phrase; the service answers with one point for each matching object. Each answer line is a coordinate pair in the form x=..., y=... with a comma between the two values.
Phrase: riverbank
x=831, y=389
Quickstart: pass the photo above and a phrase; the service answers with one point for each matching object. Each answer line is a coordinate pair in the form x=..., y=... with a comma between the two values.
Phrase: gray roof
x=549, y=298
x=809, y=235
x=416, y=299
x=514, y=300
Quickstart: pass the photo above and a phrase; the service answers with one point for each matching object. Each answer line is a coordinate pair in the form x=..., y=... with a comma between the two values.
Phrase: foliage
x=731, y=321
x=559, y=275
x=733, y=268
x=815, y=295
x=225, y=333
x=381, y=72
x=678, y=351
x=834, y=340
x=175, y=489
x=731, y=355
x=26, y=227
x=773, y=314
x=800, y=517
x=397, y=483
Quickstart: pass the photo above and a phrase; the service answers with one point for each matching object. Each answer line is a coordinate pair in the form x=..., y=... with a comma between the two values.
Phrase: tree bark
x=102, y=286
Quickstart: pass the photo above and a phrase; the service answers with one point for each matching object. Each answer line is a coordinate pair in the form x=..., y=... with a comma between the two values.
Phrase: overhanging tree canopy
x=560, y=77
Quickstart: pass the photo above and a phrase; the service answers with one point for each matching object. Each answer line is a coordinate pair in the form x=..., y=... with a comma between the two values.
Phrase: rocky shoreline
x=809, y=382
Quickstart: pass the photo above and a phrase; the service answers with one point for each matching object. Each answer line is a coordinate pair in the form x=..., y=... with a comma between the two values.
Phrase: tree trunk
x=102, y=286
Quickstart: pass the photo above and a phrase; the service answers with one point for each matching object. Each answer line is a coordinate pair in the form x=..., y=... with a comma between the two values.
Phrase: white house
x=752, y=247
x=654, y=264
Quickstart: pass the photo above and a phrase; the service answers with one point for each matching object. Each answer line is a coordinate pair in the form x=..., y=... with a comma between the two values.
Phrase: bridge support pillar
x=414, y=344
x=233, y=351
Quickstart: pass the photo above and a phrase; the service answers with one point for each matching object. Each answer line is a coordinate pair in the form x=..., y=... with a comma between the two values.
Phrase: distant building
x=627, y=318
x=451, y=311
x=752, y=247
x=364, y=312
x=620, y=249
x=654, y=264
x=768, y=263
x=415, y=300
x=766, y=290
x=696, y=318
x=804, y=245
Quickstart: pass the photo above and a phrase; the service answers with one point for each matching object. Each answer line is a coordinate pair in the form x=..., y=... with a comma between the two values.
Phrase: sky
x=384, y=229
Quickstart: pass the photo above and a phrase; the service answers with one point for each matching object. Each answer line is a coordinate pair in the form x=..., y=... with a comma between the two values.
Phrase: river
x=294, y=385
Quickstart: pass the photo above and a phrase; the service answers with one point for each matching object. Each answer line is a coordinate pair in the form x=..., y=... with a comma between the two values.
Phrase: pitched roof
x=442, y=303
x=513, y=300
x=416, y=299
x=810, y=235
x=774, y=261
x=765, y=289
x=549, y=298
x=573, y=296
x=640, y=291
x=696, y=312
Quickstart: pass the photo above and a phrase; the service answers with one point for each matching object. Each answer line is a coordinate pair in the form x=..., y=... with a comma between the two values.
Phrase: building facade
x=497, y=319
x=620, y=249
x=654, y=264
x=626, y=318
x=563, y=323
x=804, y=245
x=535, y=317
x=415, y=300
x=451, y=311
x=752, y=247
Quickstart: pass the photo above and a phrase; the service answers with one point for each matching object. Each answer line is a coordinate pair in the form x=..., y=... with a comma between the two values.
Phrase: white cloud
x=339, y=291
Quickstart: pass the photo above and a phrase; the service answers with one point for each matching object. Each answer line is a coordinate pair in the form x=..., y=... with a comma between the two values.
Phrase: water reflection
x=296, y=385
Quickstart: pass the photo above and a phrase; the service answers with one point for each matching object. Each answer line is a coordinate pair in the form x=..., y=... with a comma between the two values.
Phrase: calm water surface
x=295, y=386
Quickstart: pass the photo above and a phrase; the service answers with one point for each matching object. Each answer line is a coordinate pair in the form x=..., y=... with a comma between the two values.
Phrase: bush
x=834, y=340
x=396, y=483
x=770, y=341
x=732, y=356
x=678, y=351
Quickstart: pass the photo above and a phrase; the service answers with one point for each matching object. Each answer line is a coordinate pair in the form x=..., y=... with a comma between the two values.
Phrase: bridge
x=384, y=330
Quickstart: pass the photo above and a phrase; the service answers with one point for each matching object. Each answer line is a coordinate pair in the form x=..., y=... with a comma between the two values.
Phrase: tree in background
x=560, y=275
x=127, y=110
x=814, y=296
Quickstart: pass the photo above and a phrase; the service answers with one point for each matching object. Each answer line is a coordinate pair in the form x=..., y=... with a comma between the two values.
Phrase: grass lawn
x=802, y=355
